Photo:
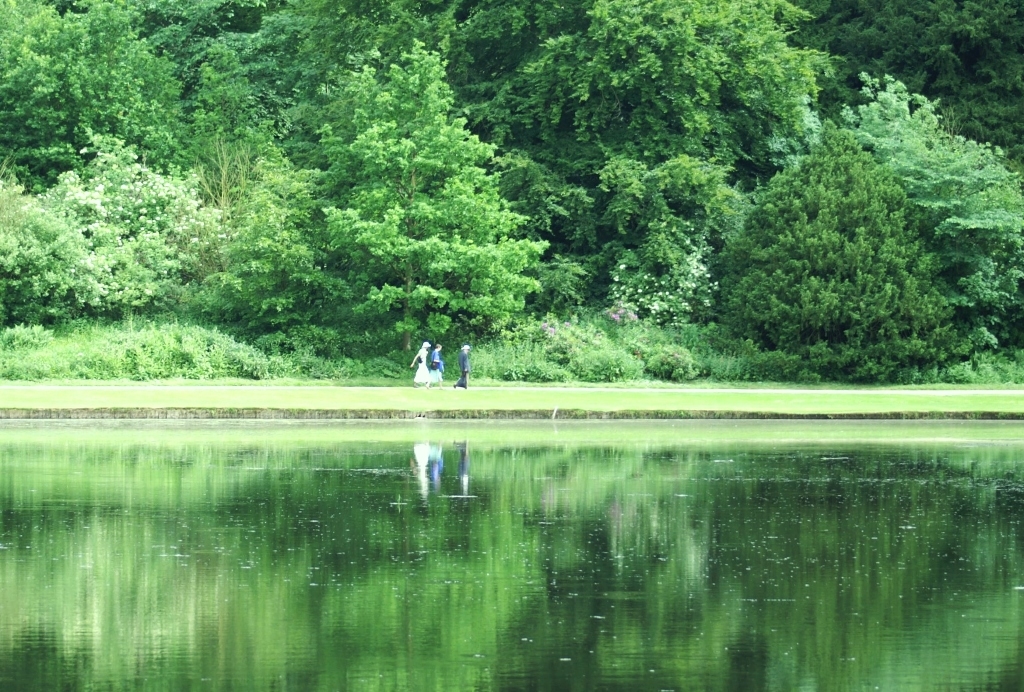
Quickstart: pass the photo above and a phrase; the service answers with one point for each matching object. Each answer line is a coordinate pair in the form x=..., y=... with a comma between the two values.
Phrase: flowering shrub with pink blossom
x=621, y=314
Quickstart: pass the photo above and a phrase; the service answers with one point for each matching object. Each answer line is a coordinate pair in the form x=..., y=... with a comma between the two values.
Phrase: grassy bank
x=880, y=402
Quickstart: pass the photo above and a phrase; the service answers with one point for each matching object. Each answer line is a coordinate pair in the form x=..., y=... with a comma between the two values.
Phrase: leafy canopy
x=416, y=217
x=65, y=78
x=572, y=91
x=968, y=53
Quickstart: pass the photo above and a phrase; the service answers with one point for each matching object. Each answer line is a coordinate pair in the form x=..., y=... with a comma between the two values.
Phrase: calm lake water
x=433, y=557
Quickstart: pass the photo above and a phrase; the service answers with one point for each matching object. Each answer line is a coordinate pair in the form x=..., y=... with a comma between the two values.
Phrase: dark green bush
x=827, y=270
x=605, y=363
x=673, y=364
x=380, y=366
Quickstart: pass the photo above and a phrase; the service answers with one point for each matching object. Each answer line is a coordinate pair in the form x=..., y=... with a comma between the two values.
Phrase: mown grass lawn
x=773, y=400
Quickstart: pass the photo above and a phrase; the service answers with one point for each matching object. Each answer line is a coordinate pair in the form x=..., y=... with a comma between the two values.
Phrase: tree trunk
x=407, y=312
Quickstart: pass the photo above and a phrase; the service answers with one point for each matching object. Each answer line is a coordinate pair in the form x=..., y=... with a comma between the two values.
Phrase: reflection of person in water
x=436, y=466
x=420, y=458
x=463, y=448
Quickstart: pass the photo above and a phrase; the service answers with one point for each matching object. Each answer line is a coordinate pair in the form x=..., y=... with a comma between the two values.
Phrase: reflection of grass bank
x=245, y=401
x=269, y=436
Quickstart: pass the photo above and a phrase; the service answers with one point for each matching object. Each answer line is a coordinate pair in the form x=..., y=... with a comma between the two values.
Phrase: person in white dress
x=422, y=376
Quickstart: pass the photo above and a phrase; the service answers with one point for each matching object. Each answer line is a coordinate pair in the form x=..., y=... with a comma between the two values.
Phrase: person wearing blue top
x=436, y=366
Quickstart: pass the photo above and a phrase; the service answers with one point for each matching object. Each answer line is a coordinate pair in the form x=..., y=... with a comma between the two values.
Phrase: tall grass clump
x=130, y=352
x=592, y=348
x=983, y=369
x=616, y=346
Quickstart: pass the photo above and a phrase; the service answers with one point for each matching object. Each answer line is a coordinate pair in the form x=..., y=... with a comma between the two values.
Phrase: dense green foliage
x=343, y=179
x=968, y=54
x=827, y=269
x=419, y=220
x=65, y=77
x=148, y=351
x=962, y=202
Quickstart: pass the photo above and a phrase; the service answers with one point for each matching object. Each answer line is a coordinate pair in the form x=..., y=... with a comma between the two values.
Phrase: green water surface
x=720, y=556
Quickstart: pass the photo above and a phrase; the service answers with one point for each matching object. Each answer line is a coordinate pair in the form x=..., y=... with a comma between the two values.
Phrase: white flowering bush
x=670, y=297
x=147, y=233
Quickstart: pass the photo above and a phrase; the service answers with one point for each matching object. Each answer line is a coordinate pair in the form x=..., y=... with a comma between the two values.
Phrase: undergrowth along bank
x=594, y=349
x=146, y=352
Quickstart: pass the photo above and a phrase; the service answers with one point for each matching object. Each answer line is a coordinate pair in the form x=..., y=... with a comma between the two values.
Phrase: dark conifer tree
x=826, y=269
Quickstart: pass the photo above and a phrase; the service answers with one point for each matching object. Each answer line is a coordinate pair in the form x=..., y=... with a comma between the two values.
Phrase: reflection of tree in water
x=654, y=560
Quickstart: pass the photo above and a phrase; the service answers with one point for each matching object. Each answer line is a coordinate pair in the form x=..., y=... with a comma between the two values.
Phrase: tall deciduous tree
x=826, y=269
x=277, y=277
x=419, y=220
x=591, y=86
x=963, y=202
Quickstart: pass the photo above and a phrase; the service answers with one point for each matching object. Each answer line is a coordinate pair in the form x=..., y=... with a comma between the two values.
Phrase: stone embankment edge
x=143, y=413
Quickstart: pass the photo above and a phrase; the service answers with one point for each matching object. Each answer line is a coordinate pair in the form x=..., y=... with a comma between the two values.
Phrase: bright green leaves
x=276, y=278
x=963, y=201
x=673, y=212
x=63, y=78
x=826, y=269
x=417, y=219
x=148, y=234
x=117, y=239
x=653, y=79
x=45, y=272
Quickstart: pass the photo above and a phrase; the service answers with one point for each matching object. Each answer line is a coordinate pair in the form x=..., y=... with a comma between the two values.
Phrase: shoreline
x=300, y=414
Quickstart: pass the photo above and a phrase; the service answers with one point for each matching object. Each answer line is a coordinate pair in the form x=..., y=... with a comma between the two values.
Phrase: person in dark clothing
x=464, y=367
